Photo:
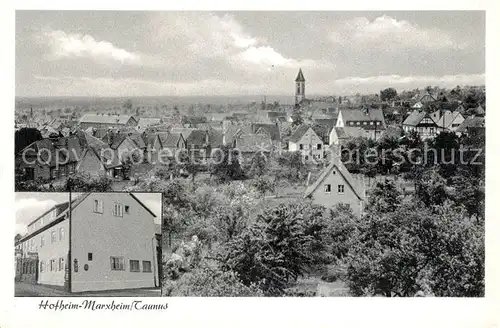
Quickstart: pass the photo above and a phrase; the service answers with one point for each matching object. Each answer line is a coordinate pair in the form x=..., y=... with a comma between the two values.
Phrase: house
x=50, y=159
x=421, y=122
x=251, y=144
x=417, y=105
x=146, y=122
x=339, y=136
x=308, y=142
x=449, y=121
x=98, y=158
x=371, y=120
x=167, y=145
x=335, y=185
x=126, y=143
x=106, y=121
x=471, y=125
x=112, y=242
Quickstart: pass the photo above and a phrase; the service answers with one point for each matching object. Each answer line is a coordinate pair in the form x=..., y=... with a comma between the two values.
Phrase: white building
x=113, y=244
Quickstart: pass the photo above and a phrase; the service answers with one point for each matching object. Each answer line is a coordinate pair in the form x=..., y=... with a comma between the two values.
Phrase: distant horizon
x=243, y=53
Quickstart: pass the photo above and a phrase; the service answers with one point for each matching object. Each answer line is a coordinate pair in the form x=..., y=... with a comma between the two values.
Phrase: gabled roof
x=105, y=119
x=63, y=207
x=414, y=118
x=471, y=122
x=349, y=132
x=447, y=118
x=299, y=132
x=169, y=139
x=300, y=76
x=336, y=163
x=69, y=146
x=184, y=131
x=254, y=143
x=197, y=137
x=147, y=121
x=359, y=115
x=272, y=129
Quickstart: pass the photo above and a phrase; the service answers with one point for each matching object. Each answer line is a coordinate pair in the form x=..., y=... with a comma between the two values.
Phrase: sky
x=30, y=205
x=128, y=53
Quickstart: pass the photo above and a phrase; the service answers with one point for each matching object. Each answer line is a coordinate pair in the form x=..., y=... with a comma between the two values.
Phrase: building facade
x=113, y=244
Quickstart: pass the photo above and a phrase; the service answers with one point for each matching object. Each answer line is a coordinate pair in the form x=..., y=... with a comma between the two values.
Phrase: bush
x=209, y=281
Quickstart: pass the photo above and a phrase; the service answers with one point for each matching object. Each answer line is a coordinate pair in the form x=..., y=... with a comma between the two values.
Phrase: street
x=23, y=289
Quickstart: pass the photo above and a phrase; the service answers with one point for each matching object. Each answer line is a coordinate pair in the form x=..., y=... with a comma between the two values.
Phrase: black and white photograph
x=88, y=244
x=294, y=153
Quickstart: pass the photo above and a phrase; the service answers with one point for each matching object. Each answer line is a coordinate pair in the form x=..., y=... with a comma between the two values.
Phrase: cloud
x=212, y=36
x=28, y=209
x=389, y=33
x=65, y=45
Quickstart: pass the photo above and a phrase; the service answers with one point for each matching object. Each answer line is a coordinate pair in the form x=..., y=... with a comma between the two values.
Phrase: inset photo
x=88, y=244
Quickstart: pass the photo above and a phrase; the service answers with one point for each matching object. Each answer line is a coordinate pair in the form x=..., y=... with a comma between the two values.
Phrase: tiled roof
x=447, y=118
x=272, y=129
x=471, y=122
x=392, y=132
x=147, y=121
x=299, y=132
x=349, y=132
x=414, y=118
x=254, y=143
x=358, y=115
x=105, y=119
x=336, y=163
x=58, y=149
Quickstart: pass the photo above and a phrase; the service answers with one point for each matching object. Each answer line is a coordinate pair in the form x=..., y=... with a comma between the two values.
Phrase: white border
x=289, y=312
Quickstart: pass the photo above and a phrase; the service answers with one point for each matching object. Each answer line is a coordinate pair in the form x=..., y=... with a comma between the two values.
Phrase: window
x=334, y=172
x=61, y=233
x=306, y=157
x=146, y=266
x=42, y=240
x=377, y=123
x=52, y=265
x=61, y=264
x=357, y=123
x=32, y=245
x=134, y=266
x=351, y=123
x=98, y=206
x=89, y=256
x=340, y=189
x=318, y=146
x=365, y=123
x=42, y=266
x=117, y=263
x=301, y=146
x=54, y=174
x=328, y=188
x=53, y=238
x=371, y=123
x=127, y=208
x=118, y=210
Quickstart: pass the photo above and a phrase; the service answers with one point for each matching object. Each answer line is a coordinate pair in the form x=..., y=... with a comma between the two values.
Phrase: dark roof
x=197, y=137
x=300, y=76
x=349, y=132
x=343, y=171
x=169, y=139
x=299, y=132
x=254, y=143
x=330, y=122
x=323, y=131
x=58, y=149
x=471, y=122
x=358, y=115
x=392, y=132
x=272, y=129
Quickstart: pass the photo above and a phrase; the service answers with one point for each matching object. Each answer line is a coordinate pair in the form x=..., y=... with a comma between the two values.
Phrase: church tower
x=300, y=87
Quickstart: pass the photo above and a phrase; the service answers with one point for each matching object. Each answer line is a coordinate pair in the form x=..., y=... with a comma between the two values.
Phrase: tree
x=297, y=119
x=24, y=137
x=431, y=188
x=416, y=249
x=225, y=165
x=385, y=197
x=258, y=165
x=84, y=182
x=388, y=94
x=264, y=184
x=283, y=243
x=127, y=105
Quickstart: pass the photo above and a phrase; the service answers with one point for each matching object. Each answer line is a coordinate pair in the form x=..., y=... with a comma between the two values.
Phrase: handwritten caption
x=135, y=305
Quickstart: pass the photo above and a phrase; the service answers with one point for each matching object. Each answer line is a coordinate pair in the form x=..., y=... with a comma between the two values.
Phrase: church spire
x=300, y=88
x=300, y=76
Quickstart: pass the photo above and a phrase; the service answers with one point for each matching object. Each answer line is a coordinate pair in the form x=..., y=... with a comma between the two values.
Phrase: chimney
x=308, y=179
